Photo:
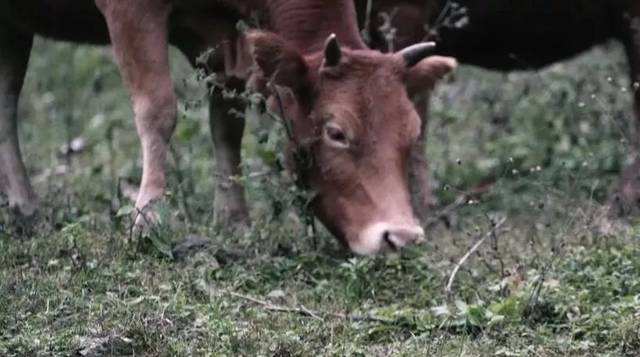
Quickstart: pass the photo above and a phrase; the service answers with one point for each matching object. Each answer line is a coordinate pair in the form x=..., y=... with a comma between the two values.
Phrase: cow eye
x=335, y=136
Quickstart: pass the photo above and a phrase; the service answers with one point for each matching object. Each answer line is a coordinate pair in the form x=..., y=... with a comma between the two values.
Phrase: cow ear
x=425, y=74
x=279, y=62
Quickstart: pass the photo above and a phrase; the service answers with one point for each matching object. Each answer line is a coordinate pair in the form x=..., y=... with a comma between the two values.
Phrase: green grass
x=559, y=277
x=76, y=287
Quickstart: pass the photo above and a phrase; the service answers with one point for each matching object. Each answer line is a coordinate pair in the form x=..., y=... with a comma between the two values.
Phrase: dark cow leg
x=627, y=199
x=632, y=45
x=14, y=56
x=230, y=207
x=419, y=180
x=138, y=31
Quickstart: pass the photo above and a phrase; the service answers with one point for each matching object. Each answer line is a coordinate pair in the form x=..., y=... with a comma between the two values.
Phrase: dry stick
x=271, y=307
x=496, y=250
x=469, y=253
x=306, y=312
x=151, y=225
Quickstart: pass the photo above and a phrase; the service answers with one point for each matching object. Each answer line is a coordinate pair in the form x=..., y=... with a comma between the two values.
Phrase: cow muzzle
x=382, y=236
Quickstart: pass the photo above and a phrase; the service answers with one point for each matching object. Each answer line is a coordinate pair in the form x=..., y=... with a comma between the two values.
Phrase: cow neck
x=305, y=24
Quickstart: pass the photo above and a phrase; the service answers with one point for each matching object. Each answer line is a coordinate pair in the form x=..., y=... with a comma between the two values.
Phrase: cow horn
x=332, y=51
x=416, y=53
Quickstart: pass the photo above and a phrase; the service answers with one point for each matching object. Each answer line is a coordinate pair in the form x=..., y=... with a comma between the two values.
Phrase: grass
x=78, y=288
x=559, y=277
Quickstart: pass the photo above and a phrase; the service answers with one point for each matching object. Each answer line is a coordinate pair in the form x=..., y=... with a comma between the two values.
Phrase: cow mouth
x=384, y=236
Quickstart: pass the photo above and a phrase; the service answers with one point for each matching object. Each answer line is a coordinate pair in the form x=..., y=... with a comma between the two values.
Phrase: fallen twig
x=301, y=310
x=470, y=252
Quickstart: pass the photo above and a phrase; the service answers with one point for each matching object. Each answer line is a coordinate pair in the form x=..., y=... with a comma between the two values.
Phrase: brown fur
x=365, y=94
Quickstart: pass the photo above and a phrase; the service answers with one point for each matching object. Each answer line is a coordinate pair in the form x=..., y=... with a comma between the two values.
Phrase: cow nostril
x=386, y=236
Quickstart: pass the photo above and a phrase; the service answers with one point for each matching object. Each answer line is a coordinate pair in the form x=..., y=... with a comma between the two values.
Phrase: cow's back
x=81, y=21
x=71, y=20
x=507, y=34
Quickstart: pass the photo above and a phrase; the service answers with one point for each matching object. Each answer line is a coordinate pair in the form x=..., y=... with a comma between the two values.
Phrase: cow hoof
x=625, y=200
x=621, y=205
x=18, y=224
x=146, y=219
x=235, y=221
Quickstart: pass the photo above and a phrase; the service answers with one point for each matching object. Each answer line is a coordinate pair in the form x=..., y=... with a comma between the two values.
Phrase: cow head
x=351, y=113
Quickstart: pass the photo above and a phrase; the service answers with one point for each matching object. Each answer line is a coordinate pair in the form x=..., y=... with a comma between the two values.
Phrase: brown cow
x=348, y=105
x=510, y=35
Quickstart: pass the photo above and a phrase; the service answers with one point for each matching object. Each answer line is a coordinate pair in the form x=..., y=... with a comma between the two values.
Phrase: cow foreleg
x=420, y=183
x=138, y=31
x=627, y=198
x=14, y=55
x=230, y=207
x=632, y=45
